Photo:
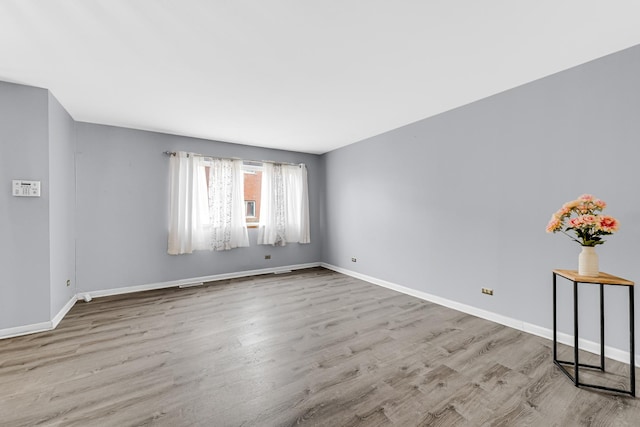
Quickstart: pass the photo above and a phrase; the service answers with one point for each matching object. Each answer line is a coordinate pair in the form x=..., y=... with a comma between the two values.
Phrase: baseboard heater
x=190, y=285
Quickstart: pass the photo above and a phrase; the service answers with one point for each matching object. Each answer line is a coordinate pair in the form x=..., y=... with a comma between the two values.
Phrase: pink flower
x=583, y=221
x=608, y=224
x=575, y=222
x=583, y=208
x=582, y=217
x=600, y=204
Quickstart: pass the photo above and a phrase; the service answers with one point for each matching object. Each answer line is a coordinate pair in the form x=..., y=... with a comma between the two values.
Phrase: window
x=205, y=213
x=285, y=212
x=250, y=208
x=252, y=188
x=214, y=200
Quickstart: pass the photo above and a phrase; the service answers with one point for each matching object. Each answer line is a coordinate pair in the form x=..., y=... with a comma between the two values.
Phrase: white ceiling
x=299, y=75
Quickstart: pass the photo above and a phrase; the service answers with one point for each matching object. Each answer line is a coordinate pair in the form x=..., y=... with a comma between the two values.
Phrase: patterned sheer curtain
x=227, y=225
x=205, y=211
x=284, y=209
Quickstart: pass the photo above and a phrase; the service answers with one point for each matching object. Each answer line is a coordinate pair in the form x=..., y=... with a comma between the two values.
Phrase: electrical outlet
x=68, y=282
x=353, y=259
x=487, y=291
x=267, y=257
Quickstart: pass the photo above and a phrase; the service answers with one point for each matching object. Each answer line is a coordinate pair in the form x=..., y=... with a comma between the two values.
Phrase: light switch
x=26, y=188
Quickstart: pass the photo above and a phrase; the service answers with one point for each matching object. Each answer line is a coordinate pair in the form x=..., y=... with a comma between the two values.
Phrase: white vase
x=588, y=262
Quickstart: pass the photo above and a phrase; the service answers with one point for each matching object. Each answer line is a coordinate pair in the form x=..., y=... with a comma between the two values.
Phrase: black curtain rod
x=173, y=153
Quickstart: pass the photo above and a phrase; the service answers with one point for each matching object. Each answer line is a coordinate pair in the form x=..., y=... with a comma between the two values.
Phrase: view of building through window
x=250, y=208
x=252, y=187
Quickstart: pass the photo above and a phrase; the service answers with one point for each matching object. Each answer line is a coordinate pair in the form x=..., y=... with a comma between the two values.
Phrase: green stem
x=571, y=237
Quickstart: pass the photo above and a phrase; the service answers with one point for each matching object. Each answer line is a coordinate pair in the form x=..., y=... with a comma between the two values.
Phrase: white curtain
x=284, y=207
x=188, y=204
x=227, y=225
x=205, y=217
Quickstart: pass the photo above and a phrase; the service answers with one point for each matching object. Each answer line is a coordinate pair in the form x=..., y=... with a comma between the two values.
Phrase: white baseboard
x=590, y=346
x=182, y=282
x=25, y=330
x=63, y=312
x=586, y=345
x=39, y=327
x=53, y=323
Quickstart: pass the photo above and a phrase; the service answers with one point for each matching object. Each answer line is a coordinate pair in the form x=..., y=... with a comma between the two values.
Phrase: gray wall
x=62, y=205
x=460, y=201
x=122, y=197
x=24, y=221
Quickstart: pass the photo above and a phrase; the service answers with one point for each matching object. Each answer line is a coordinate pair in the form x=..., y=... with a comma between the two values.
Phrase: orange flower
x=554, y=225
x=570, y=205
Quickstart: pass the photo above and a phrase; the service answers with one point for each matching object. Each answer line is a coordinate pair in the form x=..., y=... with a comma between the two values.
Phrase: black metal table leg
x=602, y=327
x=555, y=322
x=632, y=346
x=576, y=362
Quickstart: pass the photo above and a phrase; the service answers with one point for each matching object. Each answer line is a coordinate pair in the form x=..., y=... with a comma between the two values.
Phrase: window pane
x=250, y=208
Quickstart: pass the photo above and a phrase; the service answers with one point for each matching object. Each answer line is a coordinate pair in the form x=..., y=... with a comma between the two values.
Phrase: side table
x=602, y=279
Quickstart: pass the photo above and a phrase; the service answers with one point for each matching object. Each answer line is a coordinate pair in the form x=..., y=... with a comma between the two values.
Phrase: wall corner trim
x=63, y=312
x=563, y=338
x=38, y=327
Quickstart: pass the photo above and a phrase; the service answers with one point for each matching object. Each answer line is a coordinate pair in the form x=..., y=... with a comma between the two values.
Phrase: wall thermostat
x=26, y=188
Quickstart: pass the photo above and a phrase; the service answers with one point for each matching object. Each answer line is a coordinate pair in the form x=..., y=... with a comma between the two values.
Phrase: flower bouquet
x=584, y=218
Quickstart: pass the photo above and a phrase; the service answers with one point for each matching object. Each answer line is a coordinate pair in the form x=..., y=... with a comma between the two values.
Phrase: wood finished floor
x=308, y=348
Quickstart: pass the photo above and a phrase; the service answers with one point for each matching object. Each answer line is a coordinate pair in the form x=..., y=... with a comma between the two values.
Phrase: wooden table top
x=604, y=278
